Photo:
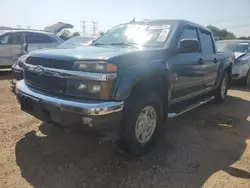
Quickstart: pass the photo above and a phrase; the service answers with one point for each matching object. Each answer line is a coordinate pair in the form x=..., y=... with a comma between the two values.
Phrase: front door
x=10, y=48
x=17, y=48
x=186, y=69
x=5, y=50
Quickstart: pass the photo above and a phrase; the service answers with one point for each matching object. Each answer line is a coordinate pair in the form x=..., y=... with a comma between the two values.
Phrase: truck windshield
x=136, y=34
x=233, y=46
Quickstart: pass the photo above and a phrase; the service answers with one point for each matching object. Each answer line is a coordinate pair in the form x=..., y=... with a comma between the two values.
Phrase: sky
x=231, y=14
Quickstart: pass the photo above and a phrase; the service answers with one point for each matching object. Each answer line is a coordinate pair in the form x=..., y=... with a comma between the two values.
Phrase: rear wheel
x=221, y=91
x=143, y=122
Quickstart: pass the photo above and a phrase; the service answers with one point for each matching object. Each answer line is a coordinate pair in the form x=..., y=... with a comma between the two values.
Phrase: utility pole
x=83, y=27
x=94, y=28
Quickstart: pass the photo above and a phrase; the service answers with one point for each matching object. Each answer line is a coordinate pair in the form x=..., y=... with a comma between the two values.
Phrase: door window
x=18, y=38
x=6, y=39
x=207, y=42
x=32, y=38
x=12, y=38
x=189, y=33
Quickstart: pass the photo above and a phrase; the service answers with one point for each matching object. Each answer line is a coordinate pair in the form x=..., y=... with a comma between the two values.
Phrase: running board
x=190, y=107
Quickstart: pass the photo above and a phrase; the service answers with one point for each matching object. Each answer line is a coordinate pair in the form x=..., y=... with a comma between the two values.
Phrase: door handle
x=215, y=60
x=200, y=61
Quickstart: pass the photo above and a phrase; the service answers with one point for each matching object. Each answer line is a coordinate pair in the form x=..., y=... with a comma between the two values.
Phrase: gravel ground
x=207, y=147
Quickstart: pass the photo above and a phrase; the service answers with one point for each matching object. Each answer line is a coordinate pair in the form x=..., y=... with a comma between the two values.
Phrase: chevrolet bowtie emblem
x=39, y=70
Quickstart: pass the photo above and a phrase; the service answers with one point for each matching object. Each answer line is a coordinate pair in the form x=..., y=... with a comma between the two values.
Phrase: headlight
x=95, y=66
x=90, y=88
x=241, y=61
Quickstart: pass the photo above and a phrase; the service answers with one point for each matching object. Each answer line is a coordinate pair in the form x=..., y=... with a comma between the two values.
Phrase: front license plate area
x=32, y=106
x=28, y=104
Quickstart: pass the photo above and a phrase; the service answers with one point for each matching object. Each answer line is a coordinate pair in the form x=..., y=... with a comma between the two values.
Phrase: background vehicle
x=241, y=50
x=130, y=80
x=77, y=41
x=17, y=69
x=14, y=43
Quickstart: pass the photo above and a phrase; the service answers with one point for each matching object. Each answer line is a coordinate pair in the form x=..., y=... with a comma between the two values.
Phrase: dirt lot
x=208, y=147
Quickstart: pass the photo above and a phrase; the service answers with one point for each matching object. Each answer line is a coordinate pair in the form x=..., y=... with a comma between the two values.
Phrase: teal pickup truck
x=128, y=81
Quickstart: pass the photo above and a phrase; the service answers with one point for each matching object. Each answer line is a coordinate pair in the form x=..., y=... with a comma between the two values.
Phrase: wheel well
x=158, y=84
x=229, y=72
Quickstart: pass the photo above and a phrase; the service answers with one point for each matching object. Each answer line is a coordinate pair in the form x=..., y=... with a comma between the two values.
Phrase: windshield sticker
x=159, y=27
x=163, y=35
x=244, y=43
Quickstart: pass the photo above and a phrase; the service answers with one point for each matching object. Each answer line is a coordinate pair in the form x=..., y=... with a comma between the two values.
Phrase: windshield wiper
x=97, y=44
x=124, y=43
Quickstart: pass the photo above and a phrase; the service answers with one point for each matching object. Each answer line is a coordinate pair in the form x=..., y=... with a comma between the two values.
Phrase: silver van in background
x=16, y=42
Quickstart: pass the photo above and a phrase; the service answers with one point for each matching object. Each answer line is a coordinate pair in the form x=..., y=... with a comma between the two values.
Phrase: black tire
x=220, y=95
x=128, y=141
x=247, y=80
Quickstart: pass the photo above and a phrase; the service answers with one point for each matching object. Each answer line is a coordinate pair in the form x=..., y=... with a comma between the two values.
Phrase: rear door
x=209, y=57
x=58, y=27
x=187, y=72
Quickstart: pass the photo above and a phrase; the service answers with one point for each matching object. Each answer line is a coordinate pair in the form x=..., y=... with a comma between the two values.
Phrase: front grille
x=50, y=63
x=47, y=83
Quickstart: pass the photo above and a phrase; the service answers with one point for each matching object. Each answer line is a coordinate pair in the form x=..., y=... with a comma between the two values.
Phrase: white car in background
x=241, y=50
x=16, y=42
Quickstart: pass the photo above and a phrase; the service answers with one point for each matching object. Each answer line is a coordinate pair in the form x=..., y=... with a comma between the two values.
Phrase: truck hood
x=83, y=53
x=239, y=55
x=56, y=28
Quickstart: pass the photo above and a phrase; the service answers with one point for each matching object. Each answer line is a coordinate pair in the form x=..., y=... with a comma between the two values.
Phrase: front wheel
x=142, y=126
x=247, y=80
x=221, y=91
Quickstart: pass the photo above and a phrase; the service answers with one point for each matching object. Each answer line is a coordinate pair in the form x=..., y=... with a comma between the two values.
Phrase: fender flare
x=223, y=66
x=136, y=75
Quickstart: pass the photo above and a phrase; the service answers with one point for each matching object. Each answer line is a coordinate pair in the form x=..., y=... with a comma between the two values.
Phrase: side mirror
x=189, y=46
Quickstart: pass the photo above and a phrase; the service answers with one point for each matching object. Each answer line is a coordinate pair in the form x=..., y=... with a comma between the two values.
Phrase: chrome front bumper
x=66, y=104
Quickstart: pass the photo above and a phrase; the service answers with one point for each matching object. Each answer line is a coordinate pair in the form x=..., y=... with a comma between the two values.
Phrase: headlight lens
x=241, y=61
x=95, y=66
x=90, y=88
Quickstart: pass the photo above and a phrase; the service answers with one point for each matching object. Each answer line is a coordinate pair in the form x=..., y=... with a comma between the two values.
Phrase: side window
x=6, y=39
x=189, y=33
x=32, y=38
x=18, y=38
x=207, y=42
x=185, y=45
